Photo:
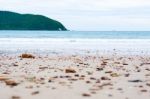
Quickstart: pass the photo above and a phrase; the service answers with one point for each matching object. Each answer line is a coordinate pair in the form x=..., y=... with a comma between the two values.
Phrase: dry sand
x=75, y=77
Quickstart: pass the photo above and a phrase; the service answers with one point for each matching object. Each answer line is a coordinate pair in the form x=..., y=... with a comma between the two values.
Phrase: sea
x=131, y=42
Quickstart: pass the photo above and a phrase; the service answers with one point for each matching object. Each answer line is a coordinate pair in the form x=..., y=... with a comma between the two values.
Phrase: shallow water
x=71, y=41
x=77, y=34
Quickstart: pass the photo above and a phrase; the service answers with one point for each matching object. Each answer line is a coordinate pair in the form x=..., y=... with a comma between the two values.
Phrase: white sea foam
x=47, y=44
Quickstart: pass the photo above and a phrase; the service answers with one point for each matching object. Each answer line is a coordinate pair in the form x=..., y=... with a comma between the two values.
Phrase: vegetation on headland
x=16, y=21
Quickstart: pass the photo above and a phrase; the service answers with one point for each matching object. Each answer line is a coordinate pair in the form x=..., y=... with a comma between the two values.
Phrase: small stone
x=86, y=95
x=43, y=67
x=27, y=56
x=148, y=69
x=35, y=92
x=144, y=90
x=81, y=78
x=88, y=82
x=92, y=78
x=99, y=69
x=114, y=75
x=14, y=64
x=11, y=82
x=15, y=97
x=125, y=64
x=76, y=75
x=105, y=84
x=127, y=75
x=70, y=71
x=108, y=72
x=148, y=84
x=72, y=79
x=136, y=81
x=105, y=78
x=82, y=75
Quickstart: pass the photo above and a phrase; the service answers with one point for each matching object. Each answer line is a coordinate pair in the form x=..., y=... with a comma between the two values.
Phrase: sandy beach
x=107, y=76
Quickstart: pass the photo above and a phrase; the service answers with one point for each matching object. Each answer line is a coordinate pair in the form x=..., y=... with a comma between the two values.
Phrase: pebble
x=99, y=69
x=114, y=75
x=15, y=97
x=11, y=82
x=35, y=93
x=27, y=56
x=86, y=95
x=144, y=90
x=70, y=71
x=148, y=84
x=105, y=78
x=136, y=81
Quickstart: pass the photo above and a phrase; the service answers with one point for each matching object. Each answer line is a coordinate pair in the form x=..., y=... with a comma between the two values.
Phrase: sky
x=88, y=15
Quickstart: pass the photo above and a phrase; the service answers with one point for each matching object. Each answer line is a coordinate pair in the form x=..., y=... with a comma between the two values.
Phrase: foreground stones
x=88, y=78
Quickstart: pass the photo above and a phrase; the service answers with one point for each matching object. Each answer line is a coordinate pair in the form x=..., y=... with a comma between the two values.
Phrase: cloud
x=88, y=14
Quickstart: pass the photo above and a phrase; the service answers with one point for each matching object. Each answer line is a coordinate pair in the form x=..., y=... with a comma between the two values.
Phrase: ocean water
x=77, y=34
x=75, y=41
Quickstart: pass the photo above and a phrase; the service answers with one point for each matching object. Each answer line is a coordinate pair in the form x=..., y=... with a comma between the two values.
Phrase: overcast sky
x=89, y=15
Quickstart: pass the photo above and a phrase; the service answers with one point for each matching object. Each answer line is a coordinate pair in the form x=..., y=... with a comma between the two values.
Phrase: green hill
x=16, y=21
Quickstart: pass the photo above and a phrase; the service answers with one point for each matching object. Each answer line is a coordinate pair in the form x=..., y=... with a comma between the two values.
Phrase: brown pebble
x=82, y=75
x=144, y=90
x=72, y=79
x=136, y=81
x=127, y=75
x=99, y=69
x=15, y=65
x=88, y=82
x=92, y=78
x=35, y=92
x=125, y=64
x=81, y=78
x=105, y=78
x=15, y=97
x=11, y=82
x=114, y=75
x=108, y=72
x=70, y=71
x=148, y=84
x=86, y=95
x=27, y=56
x=43, y=67
x=76, y=75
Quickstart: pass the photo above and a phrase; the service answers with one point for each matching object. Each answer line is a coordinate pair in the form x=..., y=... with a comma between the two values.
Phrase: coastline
x=72, y=46
x=76, y=68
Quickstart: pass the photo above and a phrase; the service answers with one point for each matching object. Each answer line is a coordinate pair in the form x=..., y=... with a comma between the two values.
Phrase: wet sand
x=75, y=77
